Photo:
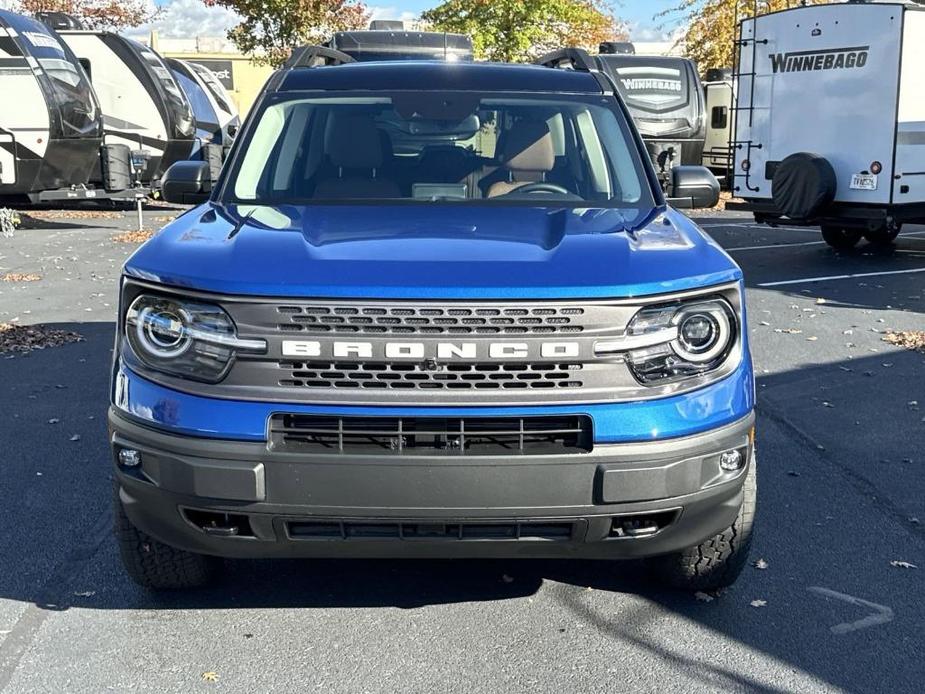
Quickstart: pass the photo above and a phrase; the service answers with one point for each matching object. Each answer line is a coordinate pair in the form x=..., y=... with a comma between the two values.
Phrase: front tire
x=841, y=238
x=717, y=562
x=154, y=565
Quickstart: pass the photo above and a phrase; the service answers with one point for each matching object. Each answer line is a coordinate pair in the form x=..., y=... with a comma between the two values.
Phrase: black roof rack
x=315, y=56
x=580, y=60
x=574, y=58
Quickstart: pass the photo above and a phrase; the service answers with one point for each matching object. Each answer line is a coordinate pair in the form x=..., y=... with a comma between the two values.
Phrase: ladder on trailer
x=740, y=42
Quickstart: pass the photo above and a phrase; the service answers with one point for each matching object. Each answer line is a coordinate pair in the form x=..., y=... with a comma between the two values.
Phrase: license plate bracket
x=863, y=182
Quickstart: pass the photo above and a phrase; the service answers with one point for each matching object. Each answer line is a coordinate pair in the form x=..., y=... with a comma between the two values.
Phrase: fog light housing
x=730, y=461
x=129, y=457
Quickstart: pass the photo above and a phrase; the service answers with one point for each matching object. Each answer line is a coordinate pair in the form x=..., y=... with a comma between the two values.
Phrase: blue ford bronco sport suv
x=433, y=310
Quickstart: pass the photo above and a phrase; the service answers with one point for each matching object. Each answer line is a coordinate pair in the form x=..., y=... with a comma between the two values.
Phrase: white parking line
x=808, y=280
x=775, y=245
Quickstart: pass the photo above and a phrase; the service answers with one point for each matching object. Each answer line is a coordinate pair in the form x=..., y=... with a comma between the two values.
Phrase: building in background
x=241, y=77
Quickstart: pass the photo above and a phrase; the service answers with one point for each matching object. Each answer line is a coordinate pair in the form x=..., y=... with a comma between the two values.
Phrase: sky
x=189, y=18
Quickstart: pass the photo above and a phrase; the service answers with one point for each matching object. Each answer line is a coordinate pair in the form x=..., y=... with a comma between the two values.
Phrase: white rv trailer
x=229, y=120
x=50, y=123
x=143, y=107
x=718, y=96
x=830, y=119
x=216, y=117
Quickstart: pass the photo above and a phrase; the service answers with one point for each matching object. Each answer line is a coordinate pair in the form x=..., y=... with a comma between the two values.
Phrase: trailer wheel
x=803, y=185
x=841, y=238
x=883, y=236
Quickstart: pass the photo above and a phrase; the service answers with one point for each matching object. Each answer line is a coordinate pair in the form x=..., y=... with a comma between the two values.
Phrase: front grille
x=398, y=530
x=431, y=352
x=453, y=376
x=431, y=320
x=408, y=436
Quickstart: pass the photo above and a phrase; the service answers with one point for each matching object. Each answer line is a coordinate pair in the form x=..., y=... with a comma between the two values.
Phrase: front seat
x=527, y=154
x=354, y=147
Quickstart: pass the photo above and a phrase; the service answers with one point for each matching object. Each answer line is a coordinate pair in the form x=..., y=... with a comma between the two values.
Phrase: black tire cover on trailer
x=803, y=185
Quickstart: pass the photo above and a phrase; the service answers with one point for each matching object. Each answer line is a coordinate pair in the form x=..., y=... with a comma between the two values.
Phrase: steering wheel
x=540, y=187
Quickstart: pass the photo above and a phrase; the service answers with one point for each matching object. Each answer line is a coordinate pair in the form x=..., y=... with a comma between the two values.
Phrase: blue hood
x=423, y=252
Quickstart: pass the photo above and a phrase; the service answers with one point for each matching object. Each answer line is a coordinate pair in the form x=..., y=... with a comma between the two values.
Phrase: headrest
x=528, y=147
x=354, y=142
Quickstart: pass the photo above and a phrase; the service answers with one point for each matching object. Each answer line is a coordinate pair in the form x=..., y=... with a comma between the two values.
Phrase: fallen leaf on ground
x=133, y=236
x=75, y=437
x=74, y=214
x=210, y=676
x=910, y=339
x=903, y=565
x=704, y=597
x=760, y=564
x=25, y=338
x=85, y=593
x=20, y=277
x=758, y=603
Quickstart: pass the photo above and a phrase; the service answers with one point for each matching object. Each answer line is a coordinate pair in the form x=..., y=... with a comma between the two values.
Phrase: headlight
x=670, y=343
x=184, y=338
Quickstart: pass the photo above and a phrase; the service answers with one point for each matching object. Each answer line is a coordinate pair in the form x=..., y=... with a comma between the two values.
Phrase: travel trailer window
x=719, y=117
x=214, y=86
x=206, y=120
x=69, y=87
x=176, y=99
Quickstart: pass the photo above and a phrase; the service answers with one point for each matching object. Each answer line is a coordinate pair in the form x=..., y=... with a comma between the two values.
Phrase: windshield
x=176, y=99
x=67, y=83
x=214, y=86
x=441, y=146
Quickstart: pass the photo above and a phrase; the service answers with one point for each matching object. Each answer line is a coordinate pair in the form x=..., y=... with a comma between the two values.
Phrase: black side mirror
x=693, y=187
x=187, y=182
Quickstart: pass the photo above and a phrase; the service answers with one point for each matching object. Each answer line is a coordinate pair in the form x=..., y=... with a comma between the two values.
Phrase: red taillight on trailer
x=876, y=167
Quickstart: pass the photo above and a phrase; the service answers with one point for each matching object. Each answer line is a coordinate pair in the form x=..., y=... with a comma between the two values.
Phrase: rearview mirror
x=693, y=187
x=187, y=182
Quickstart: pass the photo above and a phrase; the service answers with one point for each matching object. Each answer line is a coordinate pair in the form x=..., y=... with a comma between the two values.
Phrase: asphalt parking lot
x=835, y=605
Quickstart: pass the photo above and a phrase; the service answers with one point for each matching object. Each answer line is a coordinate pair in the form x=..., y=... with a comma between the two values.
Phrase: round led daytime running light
x=704, y=332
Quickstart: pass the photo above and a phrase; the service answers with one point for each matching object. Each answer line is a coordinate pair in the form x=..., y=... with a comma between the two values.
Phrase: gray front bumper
x=274, y=490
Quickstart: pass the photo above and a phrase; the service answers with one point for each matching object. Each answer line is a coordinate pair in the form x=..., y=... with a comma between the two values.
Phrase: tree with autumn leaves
x=516, y=30
x=711, y=26
x=270, y=29
x=501, y=29
x=112, y=15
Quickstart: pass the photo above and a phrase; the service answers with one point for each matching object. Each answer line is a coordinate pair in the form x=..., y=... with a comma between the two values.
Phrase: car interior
x=377, y=149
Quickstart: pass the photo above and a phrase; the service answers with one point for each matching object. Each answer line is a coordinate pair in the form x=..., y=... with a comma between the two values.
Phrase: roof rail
x=574, y=58
x=315, y=56
x=580, y=60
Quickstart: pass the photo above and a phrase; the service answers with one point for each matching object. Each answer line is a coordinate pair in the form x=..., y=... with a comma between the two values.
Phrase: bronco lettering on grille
x=420, y=350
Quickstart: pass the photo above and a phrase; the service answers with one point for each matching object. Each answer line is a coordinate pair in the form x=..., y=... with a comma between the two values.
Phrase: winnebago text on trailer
x=665, y=99
x=144, y=109
x=830, y=119
x=51, y=126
